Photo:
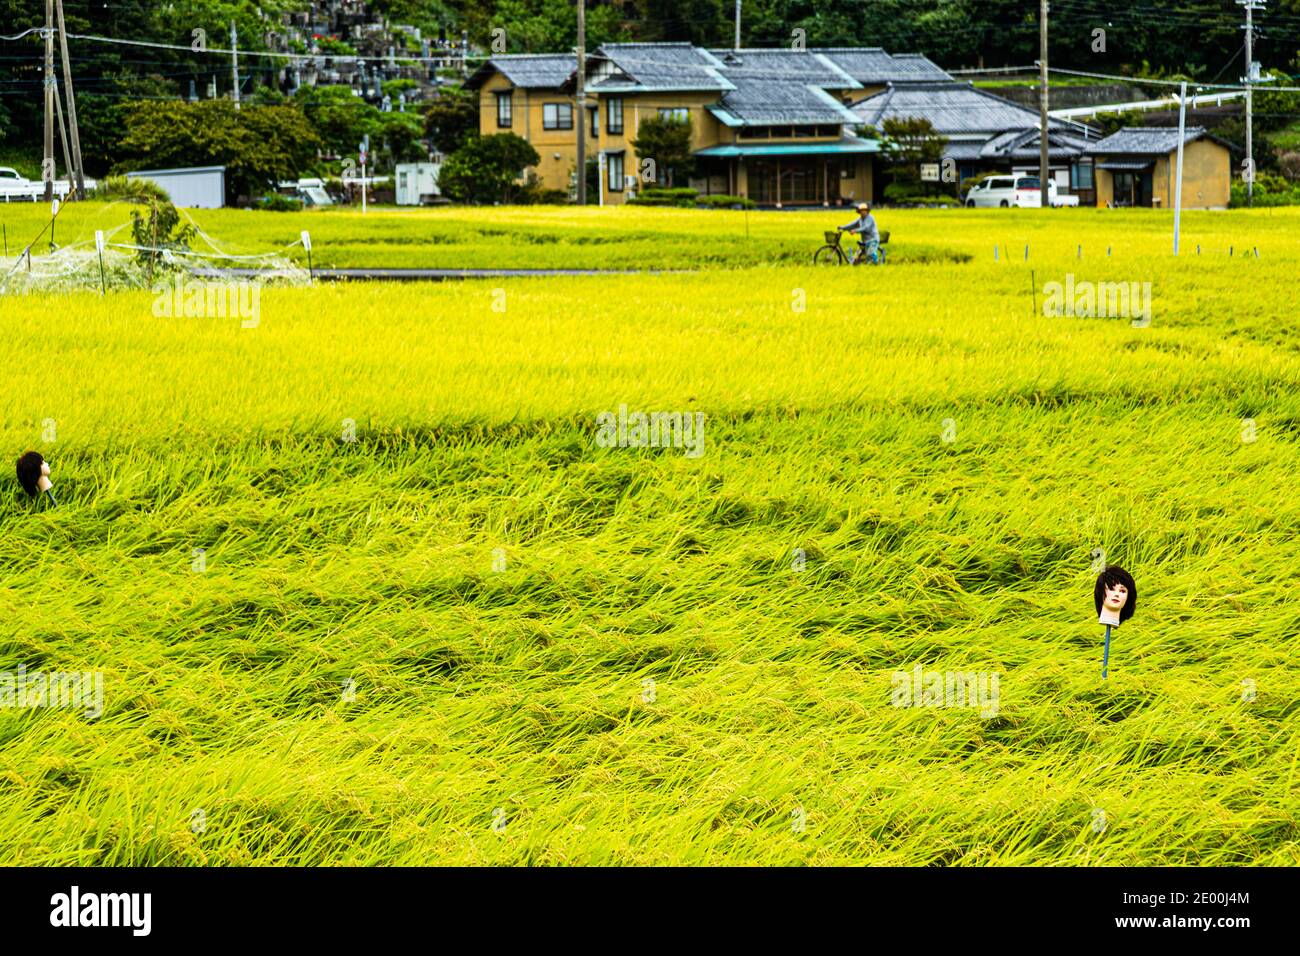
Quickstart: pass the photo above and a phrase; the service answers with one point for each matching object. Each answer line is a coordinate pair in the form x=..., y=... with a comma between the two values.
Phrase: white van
x=1021, y=191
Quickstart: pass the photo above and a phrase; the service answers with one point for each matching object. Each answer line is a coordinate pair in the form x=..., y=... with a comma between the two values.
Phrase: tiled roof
x=773, y=102
x=528, y=70
x=1145, y=141
x=1023, y=144
x=784, y=64
x=872, y=66
x=952, y=108
x=637, y=67
x=773, y=87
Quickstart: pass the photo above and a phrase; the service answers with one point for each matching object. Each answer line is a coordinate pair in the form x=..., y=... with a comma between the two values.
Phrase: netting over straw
x=130, y=266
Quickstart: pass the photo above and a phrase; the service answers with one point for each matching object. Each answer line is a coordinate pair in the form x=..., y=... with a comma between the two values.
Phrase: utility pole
x=1044, y=158
x=1178, y=190
x=737, y=24
x=1251, y=77
x=47, y=166
x=63, y=139
x=582, y=104
x=234, y=63
x=72, y=105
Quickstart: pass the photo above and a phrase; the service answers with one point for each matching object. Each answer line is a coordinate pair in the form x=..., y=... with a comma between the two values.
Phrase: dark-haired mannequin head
x=34, y=473
x=1115, y=596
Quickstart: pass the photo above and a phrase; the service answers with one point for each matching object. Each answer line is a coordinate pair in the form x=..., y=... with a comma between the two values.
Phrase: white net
x=122, y=264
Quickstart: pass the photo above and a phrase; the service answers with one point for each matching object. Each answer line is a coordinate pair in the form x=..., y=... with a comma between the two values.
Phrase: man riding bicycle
x=864, y=227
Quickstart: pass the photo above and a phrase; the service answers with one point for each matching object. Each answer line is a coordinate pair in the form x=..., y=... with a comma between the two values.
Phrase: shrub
x=677, y=193
x=114, y=188
x=486, y=169
x=725, y=202
x=275, y=202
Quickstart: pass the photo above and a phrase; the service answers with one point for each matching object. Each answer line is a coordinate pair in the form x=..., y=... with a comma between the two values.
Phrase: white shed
x=415, y=181
x=199, y=187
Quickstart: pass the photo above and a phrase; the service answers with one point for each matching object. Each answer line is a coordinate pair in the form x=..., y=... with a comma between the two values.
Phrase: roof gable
x=1148, y=140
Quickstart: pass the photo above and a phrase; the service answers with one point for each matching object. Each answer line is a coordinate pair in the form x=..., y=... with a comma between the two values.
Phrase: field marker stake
x=1105, y=654
x=995, y=253
x=1026, y=253
x=1230, y=248
x=1080, y=251
x=1257, y=252
x=99, y=247
x=306, y=244
x=1108, y=252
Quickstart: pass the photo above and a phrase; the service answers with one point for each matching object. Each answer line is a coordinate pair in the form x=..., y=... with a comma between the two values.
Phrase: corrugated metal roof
x=1145, y=141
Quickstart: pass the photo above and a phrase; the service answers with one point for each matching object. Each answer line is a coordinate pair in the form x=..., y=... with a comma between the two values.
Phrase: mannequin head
x=1115, y=595
x=33, y=473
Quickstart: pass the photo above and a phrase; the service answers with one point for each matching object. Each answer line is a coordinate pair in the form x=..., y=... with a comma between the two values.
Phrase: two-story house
x=773, y=125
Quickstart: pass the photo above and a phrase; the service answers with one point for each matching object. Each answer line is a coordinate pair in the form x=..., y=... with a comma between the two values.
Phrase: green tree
x=451, y=119
x=487, y=169
x=667, y=143
x=258, y=145
x=339, y=118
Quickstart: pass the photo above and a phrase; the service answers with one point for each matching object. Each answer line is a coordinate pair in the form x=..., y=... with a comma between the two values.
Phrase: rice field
x=367, y=584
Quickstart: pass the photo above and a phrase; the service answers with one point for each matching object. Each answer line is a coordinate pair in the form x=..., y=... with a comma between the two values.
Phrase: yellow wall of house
x=854, y=97
x=1104, y=182
x=1207, y=178
x=705, y=129
x=558, y=149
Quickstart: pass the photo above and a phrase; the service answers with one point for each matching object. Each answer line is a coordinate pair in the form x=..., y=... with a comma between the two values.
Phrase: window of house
x=594, y=113
x=557, y=116
x=614, y=115
x=680, y=114
x=1081, y=176
x=615, y=161
x=504, y=109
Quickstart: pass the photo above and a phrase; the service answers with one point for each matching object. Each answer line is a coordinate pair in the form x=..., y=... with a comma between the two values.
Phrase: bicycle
x=833, y=254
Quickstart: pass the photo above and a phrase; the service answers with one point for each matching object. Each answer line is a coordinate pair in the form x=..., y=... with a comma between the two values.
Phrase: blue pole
x=1105, y=654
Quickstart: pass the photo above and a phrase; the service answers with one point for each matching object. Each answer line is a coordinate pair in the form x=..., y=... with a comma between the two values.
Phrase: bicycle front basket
x=832, y=238
x=884, y=238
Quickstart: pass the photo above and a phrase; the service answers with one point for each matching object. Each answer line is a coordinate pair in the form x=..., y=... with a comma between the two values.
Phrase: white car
x=1023, y=192
x=13, y=186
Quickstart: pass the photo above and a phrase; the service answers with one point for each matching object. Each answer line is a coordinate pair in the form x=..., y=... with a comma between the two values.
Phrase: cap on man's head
x=864, y=207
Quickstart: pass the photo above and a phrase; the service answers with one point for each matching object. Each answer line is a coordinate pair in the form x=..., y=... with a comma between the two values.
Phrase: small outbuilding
x=1138, y=166
x=197, y=187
